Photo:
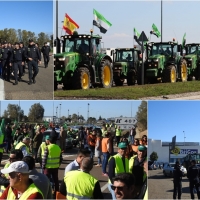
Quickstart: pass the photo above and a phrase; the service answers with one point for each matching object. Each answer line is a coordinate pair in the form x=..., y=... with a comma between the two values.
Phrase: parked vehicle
x=169, y=168
x=152, y=165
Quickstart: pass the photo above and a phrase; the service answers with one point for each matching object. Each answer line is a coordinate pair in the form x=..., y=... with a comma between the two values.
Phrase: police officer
x=193, y=175
x=5, y=60
x=23, y=48
x=177, y=174
x=32, y=55
x=46, y=50
x=17, y=59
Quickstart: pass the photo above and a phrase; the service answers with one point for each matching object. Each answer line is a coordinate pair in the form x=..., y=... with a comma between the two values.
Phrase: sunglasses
x=119, y=188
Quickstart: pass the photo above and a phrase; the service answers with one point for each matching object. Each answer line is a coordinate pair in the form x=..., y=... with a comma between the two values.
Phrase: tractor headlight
x=190, y=59
x=149, y=60
x=155, y=60
x=61, y=59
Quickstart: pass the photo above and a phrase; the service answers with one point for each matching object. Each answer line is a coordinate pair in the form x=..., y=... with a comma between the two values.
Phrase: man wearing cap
x=46, y=50
x=177, y=175
x=32, y=56
x=136, y=167
x=5, y=60
x=17, y=58
x=24, y=146
x=21, y=187
x=117, y=164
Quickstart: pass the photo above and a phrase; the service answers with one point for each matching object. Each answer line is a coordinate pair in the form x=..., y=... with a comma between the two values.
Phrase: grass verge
x=132, y=92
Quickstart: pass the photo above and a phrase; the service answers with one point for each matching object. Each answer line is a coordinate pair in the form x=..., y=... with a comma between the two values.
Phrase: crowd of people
x=126, y=170
x=15, y=57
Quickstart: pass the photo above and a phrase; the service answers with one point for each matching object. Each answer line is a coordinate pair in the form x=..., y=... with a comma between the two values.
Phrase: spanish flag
x=69, y=25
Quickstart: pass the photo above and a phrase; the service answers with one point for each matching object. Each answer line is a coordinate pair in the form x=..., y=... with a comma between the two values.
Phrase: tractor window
x=82, y=46
x=68, y=46
x=124, y=56
x=95, y=47
x=194, y=50
x=163, y=49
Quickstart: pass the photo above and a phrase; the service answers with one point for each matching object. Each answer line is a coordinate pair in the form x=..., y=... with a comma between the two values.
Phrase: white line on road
x=2, y=92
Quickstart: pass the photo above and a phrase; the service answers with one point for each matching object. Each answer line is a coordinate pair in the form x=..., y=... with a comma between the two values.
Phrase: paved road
x=69, y=157
x=160, y=187
x=42, y=90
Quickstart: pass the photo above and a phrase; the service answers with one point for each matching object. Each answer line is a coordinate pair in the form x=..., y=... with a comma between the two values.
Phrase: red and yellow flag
x=69, y=25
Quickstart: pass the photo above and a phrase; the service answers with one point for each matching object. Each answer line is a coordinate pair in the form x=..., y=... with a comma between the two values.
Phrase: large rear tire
x=106, y=74
x=184, y=74
x=81, y=79
x=131, y=77
x=170, y=74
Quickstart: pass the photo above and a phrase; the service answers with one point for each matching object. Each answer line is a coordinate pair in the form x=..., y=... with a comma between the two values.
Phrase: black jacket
x=17, y=55
x=178, y=174
x=193, y=173
x=45, y=50
x=32, y=52
x=6, y=54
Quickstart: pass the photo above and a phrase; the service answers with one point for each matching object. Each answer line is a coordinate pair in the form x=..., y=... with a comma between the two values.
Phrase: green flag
x=156, y=31
x=184, y=40
x=136, y=32
x=2, y=127
x=15, y=127
x=46, y=124
x=65, y=126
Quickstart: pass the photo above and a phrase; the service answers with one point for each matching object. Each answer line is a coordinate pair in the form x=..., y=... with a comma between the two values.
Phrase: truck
x=80, y=64
x=126, y=61
x=163, y=63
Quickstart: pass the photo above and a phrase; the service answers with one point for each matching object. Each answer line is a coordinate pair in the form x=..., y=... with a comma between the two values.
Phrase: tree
x=153, y=156
x=36, y=112
x=91, y=120
x=142, y=114
x=13, y=112
x=100, y=118
x=42, y=38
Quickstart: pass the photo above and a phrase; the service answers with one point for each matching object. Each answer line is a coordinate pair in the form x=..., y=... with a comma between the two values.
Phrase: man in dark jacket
x=54, y=135
x=193, y=175
x=32, y=56
x=178, y=174
x=46, y=50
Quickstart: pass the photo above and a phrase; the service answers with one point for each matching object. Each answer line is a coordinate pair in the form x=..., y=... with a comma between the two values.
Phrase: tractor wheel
x=184, y=75
x=131, y=77
x=106, y=74
x=118, y=81
x=170, y=74
x=81, y=78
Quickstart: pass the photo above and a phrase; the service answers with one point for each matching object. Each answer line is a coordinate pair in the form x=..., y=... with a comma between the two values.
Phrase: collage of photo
x=98, y=100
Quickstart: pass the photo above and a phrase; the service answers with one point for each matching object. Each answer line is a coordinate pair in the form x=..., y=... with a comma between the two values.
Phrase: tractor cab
x=125, y=64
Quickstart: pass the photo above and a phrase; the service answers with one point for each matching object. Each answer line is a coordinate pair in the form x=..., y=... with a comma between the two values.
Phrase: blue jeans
x=105, y=161
x=99, y=160
x=111, y=191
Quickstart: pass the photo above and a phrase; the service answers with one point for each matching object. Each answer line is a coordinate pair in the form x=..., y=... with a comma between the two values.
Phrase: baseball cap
x=18, y=166
x=16, y=43
x=142, y=148
x=47, y=137
x=122, y=145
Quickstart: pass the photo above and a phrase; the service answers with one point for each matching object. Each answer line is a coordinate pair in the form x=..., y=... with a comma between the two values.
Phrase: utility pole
x=161, y=20
x=88, y=111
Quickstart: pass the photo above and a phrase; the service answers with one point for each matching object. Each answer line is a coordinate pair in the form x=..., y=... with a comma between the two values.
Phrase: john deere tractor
x=163, y=63
x=192, y=57
x=125, y=64
x=80, y=64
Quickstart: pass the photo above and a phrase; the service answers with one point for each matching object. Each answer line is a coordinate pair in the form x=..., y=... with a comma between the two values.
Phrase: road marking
x=2, y=92
x=104, y=187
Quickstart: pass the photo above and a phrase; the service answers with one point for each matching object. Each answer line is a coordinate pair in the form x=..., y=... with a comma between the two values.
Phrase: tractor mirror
x=111, y=53
x=179, y=48
x=97, y=41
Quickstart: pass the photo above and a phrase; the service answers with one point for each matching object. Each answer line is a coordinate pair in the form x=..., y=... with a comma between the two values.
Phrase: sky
x=27, y=15
x=167, y=119
x=178, y=17
x=104, y=109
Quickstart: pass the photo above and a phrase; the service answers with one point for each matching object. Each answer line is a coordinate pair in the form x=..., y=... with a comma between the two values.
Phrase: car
x=68, y=143
x=169, y=168
x=152, y=165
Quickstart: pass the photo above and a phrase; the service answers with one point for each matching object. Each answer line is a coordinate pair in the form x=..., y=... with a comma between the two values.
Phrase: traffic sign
x=125, y=120
x=143, y=37
x=125, y=126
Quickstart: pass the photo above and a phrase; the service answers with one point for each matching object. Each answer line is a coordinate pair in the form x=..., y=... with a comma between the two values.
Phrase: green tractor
x=187, y=159
x=81, y=64
x=125, y=65
x=192, y=57
x=163, y=63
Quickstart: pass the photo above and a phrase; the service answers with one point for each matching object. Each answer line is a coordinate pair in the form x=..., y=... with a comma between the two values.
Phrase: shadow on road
x=184, y=190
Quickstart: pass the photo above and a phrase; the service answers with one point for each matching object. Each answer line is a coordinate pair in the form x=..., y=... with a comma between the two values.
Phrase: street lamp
x=184, y=137
x=56, y=111
x=60, y=110
x=68, y=113
x=88, y=110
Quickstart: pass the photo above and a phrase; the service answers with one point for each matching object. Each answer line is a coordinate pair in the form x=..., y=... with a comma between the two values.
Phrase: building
x=182, y=149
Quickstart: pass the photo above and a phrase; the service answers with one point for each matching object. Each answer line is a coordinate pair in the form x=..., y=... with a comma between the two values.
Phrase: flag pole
x=161, y=20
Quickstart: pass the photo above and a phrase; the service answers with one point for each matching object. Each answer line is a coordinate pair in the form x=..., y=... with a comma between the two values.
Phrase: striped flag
x=69, y=25
x=100, y=21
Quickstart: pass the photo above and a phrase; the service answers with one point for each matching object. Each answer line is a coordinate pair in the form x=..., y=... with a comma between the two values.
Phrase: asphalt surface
x=161, y=187
x=68, y=157
x=41, y=90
